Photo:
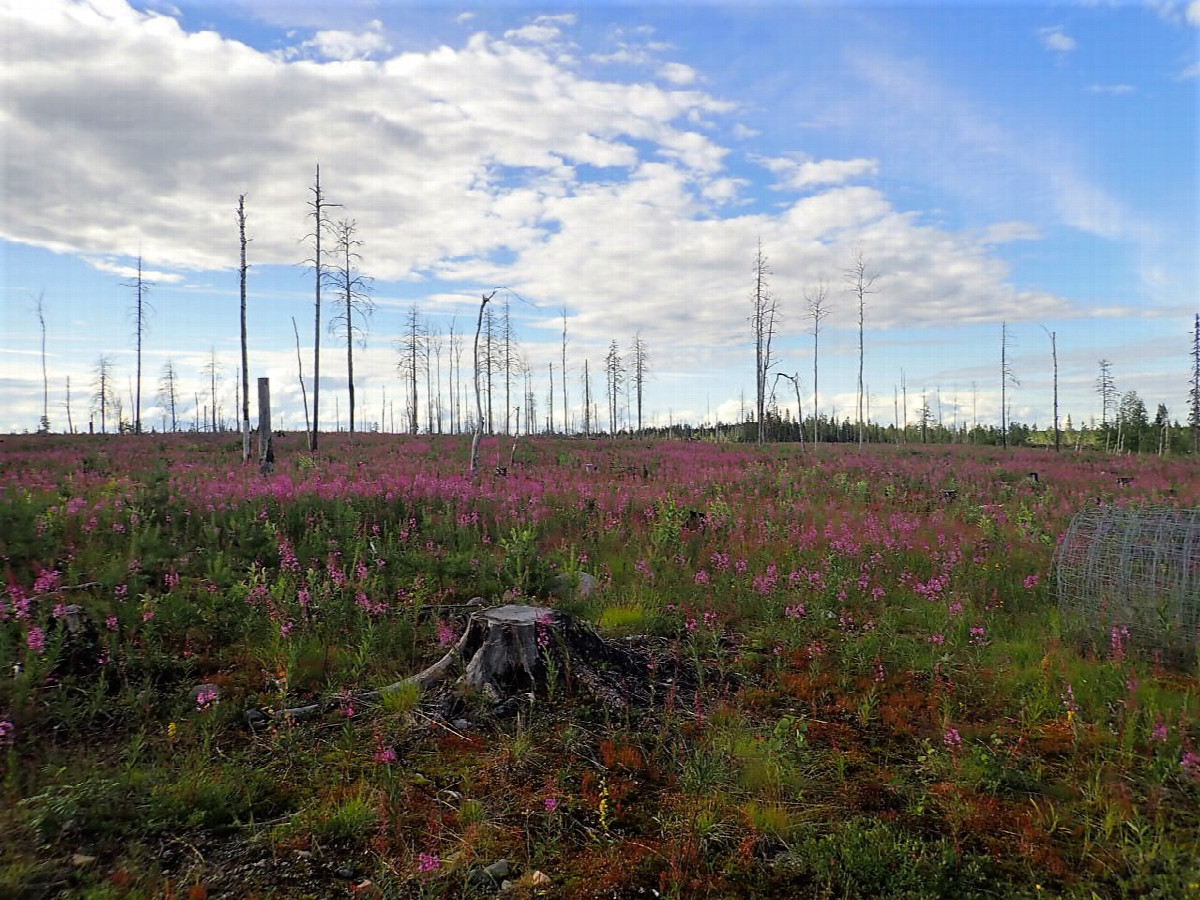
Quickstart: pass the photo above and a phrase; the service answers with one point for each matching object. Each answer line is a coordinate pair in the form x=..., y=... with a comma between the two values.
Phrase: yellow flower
x=605, y=815
x=172, y=732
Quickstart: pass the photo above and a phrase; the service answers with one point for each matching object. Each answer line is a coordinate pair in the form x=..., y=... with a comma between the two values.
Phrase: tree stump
x=511, y=650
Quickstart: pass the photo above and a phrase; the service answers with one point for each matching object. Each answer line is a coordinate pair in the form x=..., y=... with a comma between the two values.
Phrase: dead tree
x=817, y=311
x=1007, y=377
x=44, y=424
x=168, y=390
x=241, y=220
x=1194, y=393
x=640, y=360
x=212, y=369
x=354, y=291
x=795, y=380
x=860, y=285
x=1054, y=361
x=414, y=353
x=473, y=466
x=1107, y=389
x=318, y=204
x=566, y=419
x=102, y=394
x=763, y=312
x=300, y=370
x=140, y=308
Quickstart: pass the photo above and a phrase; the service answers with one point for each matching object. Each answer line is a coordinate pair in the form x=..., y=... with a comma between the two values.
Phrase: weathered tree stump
x=508, y=651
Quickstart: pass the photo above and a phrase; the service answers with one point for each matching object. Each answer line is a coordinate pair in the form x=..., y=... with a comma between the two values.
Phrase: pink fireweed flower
x=1068, y=699
x=446, y=635
x=880, y=673
x=111, y=622
x=952, y=739
x=207, y=698
x=428, y=863
x=796, y=611
x=937, y=639
x=47, y=581
x=385, y=754
x=172, y=580
x=121, y=592
x=710, y=619
x=35, y=640
x=1191, y=765
x=1031, y=581
x=702, y=577
x=286, y=628
x=551, y=804
x=8, y=732
x=1161, y=730
x=978, y=634
x=643, y=568
x=1117, y=638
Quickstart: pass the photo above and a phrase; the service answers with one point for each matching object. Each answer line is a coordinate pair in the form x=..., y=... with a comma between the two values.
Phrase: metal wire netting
x=1129, y=578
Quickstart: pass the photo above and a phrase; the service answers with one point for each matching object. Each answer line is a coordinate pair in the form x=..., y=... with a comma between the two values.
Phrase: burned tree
x=44, y=424
x=318, y=205
x=241, y=220
x=414, y=355
x=639, y=358
x=168, y=391
x=764, y=310
x=138, y=312
x=859, y=284
x=102, y=390
x=1007, y=377
x=354, y=293
x=817, y=311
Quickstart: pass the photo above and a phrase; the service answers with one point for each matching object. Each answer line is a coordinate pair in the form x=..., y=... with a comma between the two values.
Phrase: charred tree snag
x=509, y=651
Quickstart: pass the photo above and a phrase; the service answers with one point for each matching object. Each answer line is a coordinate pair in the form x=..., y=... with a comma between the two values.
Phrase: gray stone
x=567, y=586
x=499, y=869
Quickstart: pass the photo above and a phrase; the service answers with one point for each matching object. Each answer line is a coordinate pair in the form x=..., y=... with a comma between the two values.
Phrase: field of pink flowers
x=887, y=702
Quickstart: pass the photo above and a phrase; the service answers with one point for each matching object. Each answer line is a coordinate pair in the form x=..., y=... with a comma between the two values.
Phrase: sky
x=1031, y=167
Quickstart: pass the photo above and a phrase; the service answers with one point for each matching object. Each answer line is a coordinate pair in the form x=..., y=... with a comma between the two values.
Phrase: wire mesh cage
x=1128, y=578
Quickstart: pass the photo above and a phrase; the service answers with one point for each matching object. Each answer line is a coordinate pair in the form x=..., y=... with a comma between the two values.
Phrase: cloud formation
x=493, y=162
x=1054, y=38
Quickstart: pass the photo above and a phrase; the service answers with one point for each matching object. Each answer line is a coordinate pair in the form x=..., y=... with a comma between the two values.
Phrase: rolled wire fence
x=1128, y=580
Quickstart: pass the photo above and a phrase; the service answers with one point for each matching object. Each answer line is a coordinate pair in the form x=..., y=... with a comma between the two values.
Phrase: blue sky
x=1034, y=164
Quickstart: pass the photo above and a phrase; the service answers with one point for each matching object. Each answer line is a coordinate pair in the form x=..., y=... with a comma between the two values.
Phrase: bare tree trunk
x=566, y=415
x=44, y=425
x=266, y=441
x=300, y=367
x=473, y=469
x=241, y=220
x=70, y=423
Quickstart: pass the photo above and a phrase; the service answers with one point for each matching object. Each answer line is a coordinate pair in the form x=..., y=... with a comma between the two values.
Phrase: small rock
x=506, y=886
x=82, y=859
x=460, y=724
x=345, y=873
x=539, y=879
x=566, y=586
x=498, y=870
x=304, y=854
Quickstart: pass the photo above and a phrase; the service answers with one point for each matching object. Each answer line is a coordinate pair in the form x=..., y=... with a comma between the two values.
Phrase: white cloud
x=451, y=159
x=347, y=45
x=150, y=275
x=1115, y=90
x=1053, y=38
x=464, y=17
x=1007, y=232
x=1193, y=13
x=678, y=73
x=1192, y=71
x=802, y=174
x=744, y=132
x=534, y=34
